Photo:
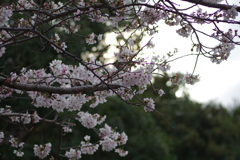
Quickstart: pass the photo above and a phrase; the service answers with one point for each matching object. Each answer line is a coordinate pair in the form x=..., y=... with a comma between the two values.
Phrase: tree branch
x=59, y=90
x=212, y=5
x=15, y=29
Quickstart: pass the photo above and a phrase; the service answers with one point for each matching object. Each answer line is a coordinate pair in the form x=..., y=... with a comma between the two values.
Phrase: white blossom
x=35, y=117
x=164, y=67
x=26, y=118
x=88, y=148
x=176, y=79
x=73, y=154
x=191, y=79
x=108, y=144
x=42, y=151
x=25, y=4
x=121, y=152
x=185, y=31
x=149, y=104
x=230, y=13
x=18, y=153
x=130, y=42
x=100, y=37
x=89, y=120
x=59, y=46
x=91, y=39
x=1, y=136
x=161, y=92
x=5, y=14
x=124, y=55
x=138, y=77
x=67, y=129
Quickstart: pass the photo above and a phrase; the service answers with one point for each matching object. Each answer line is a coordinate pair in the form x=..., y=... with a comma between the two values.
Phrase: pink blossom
x=121, y=152
x=5, y=14
x=73, y=154
x=108, y=144
x=42, y=151
x=1, y=136
x=149, y=104
x=161, y=92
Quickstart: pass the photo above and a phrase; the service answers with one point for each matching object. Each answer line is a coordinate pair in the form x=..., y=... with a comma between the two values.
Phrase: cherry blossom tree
x=65, y=88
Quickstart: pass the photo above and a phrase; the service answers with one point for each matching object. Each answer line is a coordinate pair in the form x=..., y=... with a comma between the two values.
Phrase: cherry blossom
x=108, y=144
x=230, y=13
x=2, y=50
x=35, y=118
x=42, y=151
x=16, y=144
x=124, y=55
x=1, y=136
x=14, y=141
x=131, y=42
x=185, y=31
x=88, y=148
x=65, y=88
x=91, y=39
x=191, y=79
x=18, y=153
x=57, y=42
x=88, y=120
x=121, y=152
x=5, y=14
x=73, y=154
x=161, y=92
x=176, y=79
x=149, y=104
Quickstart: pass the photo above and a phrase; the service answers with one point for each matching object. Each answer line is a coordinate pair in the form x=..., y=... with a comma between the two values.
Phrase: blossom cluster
x=16, y=144
x=25, y=4
x=109, y=140
x=91, y=39
x=24, y=118
x=187, y=78
x=42, y=151
x=185, y=31
x=149, y=104
x=89, y=120
x=230, y=13
x=222, y=51
x=138, y=78
x=125, y=55
x=68, y=76
x=5, y=14
x=151, y=15
x=87, y=147
x=73, y=154
x=56, y=41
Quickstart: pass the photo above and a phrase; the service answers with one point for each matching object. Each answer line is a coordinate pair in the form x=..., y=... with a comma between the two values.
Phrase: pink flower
x=42, y=151
x=149, y=104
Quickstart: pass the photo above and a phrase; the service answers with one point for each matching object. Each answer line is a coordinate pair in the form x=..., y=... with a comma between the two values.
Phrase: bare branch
x=212, y=5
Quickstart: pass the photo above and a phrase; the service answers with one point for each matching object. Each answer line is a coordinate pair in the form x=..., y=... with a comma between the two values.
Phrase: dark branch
x=59, y=90
x=212, y=5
